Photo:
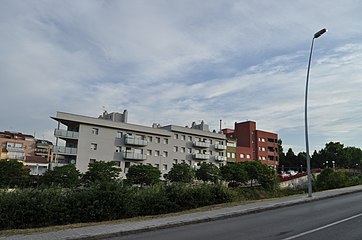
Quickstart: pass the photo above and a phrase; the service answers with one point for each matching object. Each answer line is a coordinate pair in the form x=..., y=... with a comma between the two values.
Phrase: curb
x=221, y=216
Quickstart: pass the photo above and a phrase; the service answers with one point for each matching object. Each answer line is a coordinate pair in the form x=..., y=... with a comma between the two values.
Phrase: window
x=117, y=163
x=182, y=161
x=158, y=140
x=165, y=141
x=164, y=167
x=248, y=156
x=157, y=166
x=241, y=155
x=183, y=137
x=232, y=155
x=175, y=136
x=189, y=150
x=93, y=146
x=231, y=144
x=118, y=149
x=190, y=138
x=127, y=164
x=228, y=154
x=175, y=148
x=190, y=162
x=149, y=139
x=95, y=131
x=157, y=153
x=18, y=145
x=119, y=134
x=175, y=161
x=165, y=154
x=92, y=160
x=183, y=149
x=149, y=152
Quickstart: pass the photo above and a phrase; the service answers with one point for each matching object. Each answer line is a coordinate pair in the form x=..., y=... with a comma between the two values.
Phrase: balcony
x=134, y=156
x=66, y=134
x=136, y=141
x=220, y=147
x=220, y=158
x=15, y=149
x=65, y=150
x=201, y=156
x=201, y=144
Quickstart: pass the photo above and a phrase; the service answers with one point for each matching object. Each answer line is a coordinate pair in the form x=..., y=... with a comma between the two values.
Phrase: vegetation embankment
x=64, y=196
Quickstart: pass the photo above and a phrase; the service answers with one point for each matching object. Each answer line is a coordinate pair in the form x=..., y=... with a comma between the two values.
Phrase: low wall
x=296, y=181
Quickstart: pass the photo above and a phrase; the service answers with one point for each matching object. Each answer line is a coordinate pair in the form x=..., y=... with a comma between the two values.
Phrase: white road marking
x=323, y=227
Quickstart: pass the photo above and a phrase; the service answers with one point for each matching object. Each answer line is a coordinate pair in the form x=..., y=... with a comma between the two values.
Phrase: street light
x=316, y=35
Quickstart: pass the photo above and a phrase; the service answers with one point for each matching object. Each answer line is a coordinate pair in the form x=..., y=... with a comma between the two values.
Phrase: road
x=334, y=218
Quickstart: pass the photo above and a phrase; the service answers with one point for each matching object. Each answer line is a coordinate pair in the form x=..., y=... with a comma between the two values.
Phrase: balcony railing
x=65, y=150
x=15, y=149
x=201, y=144
x=131, y=140
x=66, y=134
x=134, y=156
x=220, y=147
x=220, y=158
x=201, y=156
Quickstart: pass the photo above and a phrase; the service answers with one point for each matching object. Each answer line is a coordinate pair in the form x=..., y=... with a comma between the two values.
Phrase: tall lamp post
x=316, y=35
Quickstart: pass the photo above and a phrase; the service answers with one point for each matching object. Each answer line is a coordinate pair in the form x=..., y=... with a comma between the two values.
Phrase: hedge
x=31, y=208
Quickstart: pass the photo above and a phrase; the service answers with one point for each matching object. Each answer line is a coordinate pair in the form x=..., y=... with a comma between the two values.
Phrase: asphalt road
x=334, y=218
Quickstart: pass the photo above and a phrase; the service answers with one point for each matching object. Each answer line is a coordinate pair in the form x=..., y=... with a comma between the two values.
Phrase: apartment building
x=34, y=154
x=16, y=146
x=82, y=140
x=253, y=144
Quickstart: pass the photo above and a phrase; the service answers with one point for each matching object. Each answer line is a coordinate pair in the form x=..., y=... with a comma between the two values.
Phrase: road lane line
x=323, y=227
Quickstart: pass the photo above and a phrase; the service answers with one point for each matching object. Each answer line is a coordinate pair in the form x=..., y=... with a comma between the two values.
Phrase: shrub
x=105, y=201
x=330, y=179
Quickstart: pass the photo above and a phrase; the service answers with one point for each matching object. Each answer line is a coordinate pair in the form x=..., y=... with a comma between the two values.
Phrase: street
x=334, y=218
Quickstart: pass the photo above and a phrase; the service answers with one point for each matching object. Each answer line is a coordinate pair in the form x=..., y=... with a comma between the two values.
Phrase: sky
x=179, y=61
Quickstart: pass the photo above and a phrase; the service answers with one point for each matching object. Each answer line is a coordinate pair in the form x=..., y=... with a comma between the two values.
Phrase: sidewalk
x=112, y=230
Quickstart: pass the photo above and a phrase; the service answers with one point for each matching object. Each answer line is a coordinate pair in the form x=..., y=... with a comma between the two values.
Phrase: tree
x=281, y=153
x=181, y=173
x=143, y=175
x=65, y=176
x=234, y=172
x=353, y=157
x=101, y=172
x=12, y=173
x=208, y=172
x=251, y=169
x=260, y=172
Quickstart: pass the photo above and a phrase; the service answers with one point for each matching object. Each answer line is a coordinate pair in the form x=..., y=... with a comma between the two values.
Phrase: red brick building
x=253, y=144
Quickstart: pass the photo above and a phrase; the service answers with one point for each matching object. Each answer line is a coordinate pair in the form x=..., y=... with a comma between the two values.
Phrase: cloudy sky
x=179, y=61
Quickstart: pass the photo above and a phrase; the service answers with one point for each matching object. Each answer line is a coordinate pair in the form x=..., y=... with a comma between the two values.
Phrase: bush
x=105, y=201
x=330, y=179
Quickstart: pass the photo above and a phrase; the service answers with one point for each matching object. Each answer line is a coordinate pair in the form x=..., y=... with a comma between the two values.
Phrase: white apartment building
x=82, y=140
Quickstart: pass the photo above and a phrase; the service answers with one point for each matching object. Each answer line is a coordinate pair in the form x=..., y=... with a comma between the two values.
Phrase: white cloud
x=183, y=61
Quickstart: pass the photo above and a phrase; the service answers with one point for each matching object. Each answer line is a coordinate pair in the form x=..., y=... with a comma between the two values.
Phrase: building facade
x=16, y=146
x=34, y=154
x=82, y=140
x=253, y=144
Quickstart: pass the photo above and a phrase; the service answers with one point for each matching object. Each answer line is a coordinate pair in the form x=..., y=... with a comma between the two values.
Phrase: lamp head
x=320, y=33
